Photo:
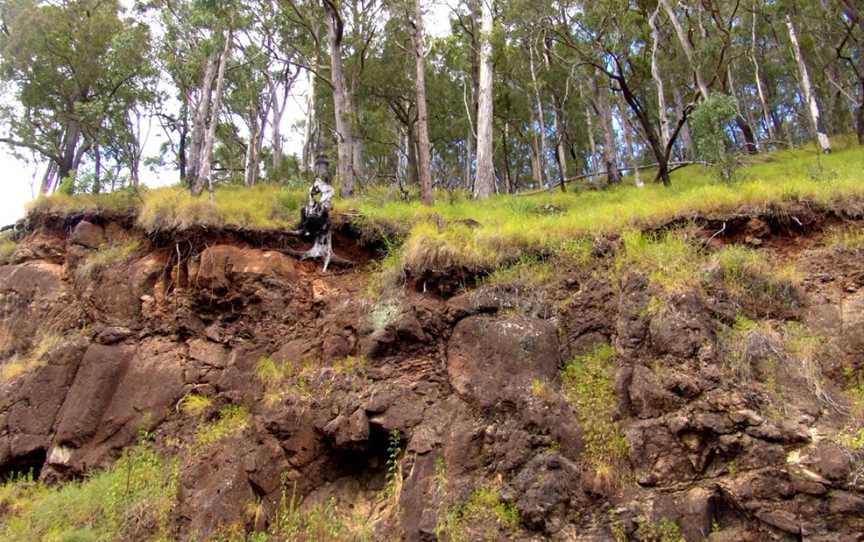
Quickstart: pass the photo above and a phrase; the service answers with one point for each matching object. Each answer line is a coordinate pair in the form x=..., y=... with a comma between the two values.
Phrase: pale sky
x=20, y=180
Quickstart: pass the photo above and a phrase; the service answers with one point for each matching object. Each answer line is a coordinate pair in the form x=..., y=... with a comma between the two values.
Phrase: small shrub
x=661, y=530
x=7, y=249
x=106, y=256
x=195, y=405
x=587, y=383
x=231, y=420
x=35, y=358
x=709, y=121
x=461, y=522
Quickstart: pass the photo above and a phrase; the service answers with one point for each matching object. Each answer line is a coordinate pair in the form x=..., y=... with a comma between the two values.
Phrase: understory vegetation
x=129, y=501
x=458, y=232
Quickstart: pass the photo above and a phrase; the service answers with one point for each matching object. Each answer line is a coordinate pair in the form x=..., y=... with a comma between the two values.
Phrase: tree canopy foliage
x=512, y=94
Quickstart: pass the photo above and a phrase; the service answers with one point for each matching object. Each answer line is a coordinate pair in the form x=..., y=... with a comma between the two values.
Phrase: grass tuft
x=460, y=522
x=588, y=385
x=106, y=256
x=7, y=249
x=195, y=405
x=231, y=420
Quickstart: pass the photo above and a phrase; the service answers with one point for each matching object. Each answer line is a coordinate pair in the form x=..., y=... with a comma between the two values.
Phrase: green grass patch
x=484, y=516
x=671, y=261
x=17, y=366
x=130, y=500
x=121, y=202
x=195, y=405
x=231, y=420
x=588, y=385
x=107, y=256
x=660, y=530
x=7, y=249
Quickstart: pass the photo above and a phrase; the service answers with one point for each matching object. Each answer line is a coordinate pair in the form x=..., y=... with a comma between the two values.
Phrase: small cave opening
x=28, y=465
x=369, y=465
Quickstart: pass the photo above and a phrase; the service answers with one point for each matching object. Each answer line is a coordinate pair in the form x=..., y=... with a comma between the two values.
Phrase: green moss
x=588, y=384
x=133, y=497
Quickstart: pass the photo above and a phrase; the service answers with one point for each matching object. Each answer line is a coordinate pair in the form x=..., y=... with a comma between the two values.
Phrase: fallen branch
x=674, y=166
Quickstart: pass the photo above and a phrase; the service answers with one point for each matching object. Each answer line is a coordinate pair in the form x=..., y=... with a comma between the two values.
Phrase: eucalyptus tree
x=73, y=69
x=484, y=184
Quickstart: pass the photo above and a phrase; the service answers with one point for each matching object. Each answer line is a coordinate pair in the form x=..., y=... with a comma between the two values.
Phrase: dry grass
x=106, y=256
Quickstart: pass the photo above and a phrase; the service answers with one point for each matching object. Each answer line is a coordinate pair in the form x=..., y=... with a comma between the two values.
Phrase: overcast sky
x=19, y=180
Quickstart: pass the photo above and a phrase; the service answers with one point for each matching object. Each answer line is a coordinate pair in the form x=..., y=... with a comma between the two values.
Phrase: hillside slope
x=696, y=379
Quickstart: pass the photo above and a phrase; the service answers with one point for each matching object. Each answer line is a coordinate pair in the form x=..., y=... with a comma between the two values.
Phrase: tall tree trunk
x=251, y=170
x=610, y=148
x=807, y=89
x=688, y=50
x=658, y=80
x=743, y=124
x=469, y=159
x=204, y=169
x=686, y=136
x=202, y=112
x=541, y=122
x=536, y=167
x=484, y=186
x=48, y=178
x=853, y=10
x=182, y=151
x=97, y=169
x=626, y=127
x=344, y=133
x=423, y=146
x=508, y=178
x=413, y=170
x=560, y=146
x=592, y=143
x=760, y=90
x=311, y=129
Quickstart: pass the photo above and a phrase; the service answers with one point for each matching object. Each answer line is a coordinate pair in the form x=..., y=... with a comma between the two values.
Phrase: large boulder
x=220, y=265
x=493, y=360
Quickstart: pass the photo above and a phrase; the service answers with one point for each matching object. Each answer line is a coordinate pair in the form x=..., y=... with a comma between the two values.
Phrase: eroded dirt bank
x=711, y=428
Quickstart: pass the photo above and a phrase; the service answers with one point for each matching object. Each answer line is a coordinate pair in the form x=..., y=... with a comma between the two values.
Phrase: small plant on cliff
x=587, y=383
x=35, y=358
x=106, y=256
x=482, y=517
x=7, y=248
x=195, y=405
x=660, y=530
x=280, y=379
x=230, y=420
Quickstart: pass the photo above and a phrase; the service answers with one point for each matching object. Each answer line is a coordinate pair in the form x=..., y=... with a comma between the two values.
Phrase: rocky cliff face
x=439, y=418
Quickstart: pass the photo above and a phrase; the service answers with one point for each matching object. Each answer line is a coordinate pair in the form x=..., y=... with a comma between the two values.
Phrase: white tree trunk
x=610, y=149
x=766, y=112
x=202, y=112
x=685, y=44
x=204, y=170
x=344, y=134
x=310, y=130
x=484, y=185
x=541, y=122
x=658, y=80
x=423, y=146
x=626, y=126
x=807, y=89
